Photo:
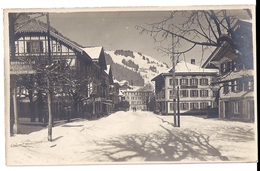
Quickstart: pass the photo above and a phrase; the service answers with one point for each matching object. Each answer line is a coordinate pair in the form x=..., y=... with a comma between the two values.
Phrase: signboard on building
x=18, y=67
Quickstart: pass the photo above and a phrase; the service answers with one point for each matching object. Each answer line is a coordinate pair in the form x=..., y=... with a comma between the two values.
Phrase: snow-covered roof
x=93, y=52
x=183, y=66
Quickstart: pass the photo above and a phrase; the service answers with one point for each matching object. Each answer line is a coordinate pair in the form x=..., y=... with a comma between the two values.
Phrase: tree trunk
x=49, y=111
x=31, y=107
x=40, y=106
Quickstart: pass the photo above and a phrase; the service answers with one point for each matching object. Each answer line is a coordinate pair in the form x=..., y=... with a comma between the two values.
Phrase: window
x=184, y=93
x=176, y=82
x=171, y=106
x=184, y=106
x=34, y=46
x=171, y=94
x=226, y=88
x=236, y=107
x=249, y=85
x=204, y=93
x=194, y=106
x=234, y=66
x=193, y=81
x=193, y=93
x=225, y=66
x=203, y=81
x=235, y=86
x=203, y=105
x=183, y=81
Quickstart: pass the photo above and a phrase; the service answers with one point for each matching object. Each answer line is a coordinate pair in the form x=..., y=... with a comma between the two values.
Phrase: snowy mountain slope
x=146, y=66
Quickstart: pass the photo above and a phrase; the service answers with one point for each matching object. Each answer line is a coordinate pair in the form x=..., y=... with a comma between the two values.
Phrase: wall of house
x=194, y=92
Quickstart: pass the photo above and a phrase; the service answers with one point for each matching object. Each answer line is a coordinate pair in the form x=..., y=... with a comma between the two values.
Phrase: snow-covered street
x=136, y=137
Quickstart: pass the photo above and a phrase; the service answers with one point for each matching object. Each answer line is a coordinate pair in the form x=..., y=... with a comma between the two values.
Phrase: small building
x=194, y=87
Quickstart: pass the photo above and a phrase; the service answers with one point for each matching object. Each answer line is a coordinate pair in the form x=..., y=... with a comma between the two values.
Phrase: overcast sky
x=115, y=30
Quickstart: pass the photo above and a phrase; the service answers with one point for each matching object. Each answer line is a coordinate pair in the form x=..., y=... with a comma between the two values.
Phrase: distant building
x=138, y=98
x=194, y=90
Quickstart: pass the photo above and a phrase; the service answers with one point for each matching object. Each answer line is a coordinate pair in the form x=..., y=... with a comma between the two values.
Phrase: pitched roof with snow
x=185, y=68
x=93, y=52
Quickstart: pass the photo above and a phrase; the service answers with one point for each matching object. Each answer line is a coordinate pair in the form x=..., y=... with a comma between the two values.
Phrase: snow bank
x=136, y=137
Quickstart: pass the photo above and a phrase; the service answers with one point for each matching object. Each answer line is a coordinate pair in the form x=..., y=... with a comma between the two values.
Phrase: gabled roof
x=97, y=54
x=93, y=52
x=36, y=26
x=223, y=49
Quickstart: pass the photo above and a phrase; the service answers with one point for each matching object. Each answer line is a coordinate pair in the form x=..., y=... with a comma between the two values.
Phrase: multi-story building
x=139, y=97
x=101, y=79
x=193, y=84
x=235, y=81
x=85, y=68
x=31, y=48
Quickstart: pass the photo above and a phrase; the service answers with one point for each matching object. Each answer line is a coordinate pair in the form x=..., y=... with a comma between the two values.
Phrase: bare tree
x=206, y=28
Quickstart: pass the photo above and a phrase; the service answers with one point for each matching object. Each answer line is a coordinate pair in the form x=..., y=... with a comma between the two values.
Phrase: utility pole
x=173, y=82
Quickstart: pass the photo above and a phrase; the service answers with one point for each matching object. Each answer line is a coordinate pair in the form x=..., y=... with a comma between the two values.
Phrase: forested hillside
x=122, y=73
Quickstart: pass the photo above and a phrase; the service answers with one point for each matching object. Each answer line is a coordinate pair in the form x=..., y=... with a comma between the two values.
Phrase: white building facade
x=193, y=84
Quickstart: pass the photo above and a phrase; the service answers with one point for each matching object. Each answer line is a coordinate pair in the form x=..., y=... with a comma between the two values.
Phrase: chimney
x=192, y=61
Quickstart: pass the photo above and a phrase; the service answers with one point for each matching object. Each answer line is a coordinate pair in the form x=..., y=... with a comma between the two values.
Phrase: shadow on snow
x=166, y=146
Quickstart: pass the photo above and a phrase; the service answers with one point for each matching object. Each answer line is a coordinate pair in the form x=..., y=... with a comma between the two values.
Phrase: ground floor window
x=194, y=106
x=203, y=105
x=184, y=106
x=171, y=106
x=236, y=107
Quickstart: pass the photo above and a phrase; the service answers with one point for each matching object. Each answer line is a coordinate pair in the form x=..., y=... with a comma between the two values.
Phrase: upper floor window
x=235, y=86
x=184, y=93
x=226, y=88
x=193, y=81
x=183, y=81
x=204, y=93
x=193, y=93
x=176, y=82
x=203, y=81
x=225, y=66
x=249, y=85
x=34, y=46
x=171, y=94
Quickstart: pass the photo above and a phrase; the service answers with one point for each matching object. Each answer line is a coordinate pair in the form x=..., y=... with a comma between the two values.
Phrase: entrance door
x=251, y=110
x=226, y=109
